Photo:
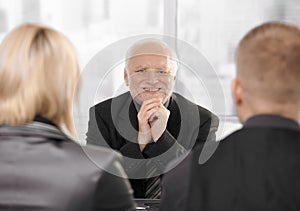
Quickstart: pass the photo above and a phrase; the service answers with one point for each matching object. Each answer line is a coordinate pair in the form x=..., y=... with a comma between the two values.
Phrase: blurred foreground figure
x=41, y=167
x=257, y=167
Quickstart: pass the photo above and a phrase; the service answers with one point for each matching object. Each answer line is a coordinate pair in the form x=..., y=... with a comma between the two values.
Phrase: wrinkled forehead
x=150, y=54
x=150, y=61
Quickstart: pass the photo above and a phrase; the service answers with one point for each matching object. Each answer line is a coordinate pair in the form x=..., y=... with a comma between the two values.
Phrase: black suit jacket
x=42, y=169
x=113, y=123
x=255, y=168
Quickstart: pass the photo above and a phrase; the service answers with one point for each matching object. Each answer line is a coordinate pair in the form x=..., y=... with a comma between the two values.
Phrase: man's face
x=150, y=76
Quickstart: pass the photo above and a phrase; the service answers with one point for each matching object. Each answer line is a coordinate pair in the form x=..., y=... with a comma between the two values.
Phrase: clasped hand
x=153, y=118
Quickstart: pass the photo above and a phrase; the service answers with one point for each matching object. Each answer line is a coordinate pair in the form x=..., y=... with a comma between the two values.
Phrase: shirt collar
x=41, y=119
x=271, y=120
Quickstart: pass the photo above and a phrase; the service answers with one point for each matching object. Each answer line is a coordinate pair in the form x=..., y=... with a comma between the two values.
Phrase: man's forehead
x=155, y=48
x=149, y=61
x=145, y=66
x=149, y=56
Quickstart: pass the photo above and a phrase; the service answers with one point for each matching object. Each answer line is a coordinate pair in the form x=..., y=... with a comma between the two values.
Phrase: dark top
x=269, y=120
x=255, y=168
x=43, y=169
x=113, y=123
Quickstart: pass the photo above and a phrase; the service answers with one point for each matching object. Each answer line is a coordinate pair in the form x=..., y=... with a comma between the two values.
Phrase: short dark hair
x=268, y=61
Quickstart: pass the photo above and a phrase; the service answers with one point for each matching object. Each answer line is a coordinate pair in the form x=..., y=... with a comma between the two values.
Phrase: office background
x=213, y=27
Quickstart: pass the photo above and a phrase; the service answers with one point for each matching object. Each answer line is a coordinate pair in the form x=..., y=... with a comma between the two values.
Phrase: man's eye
x=140, y=71
x=162, y=72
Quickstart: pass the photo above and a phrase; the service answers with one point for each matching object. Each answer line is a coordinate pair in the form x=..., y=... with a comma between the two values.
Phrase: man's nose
x=152, y=77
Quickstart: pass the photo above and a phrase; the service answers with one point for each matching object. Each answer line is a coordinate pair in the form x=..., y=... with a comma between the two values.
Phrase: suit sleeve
x=175, y=190
x=114, y=193
x=208, y=129
x=207, y=132
x=93, y=135
x=164, y=143
x=98, y=134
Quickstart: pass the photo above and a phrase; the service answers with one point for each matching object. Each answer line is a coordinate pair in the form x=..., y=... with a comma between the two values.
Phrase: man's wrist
x=142, y=147
x=157, y=137
x=143, y=139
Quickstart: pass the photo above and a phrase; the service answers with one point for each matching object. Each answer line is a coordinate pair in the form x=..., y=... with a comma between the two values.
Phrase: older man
x=151, y=121
x=257, y=167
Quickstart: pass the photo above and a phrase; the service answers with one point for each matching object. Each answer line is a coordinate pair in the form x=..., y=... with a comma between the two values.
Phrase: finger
x=152, y=119
x=151, y=100
x=159, y=113
x=150, y=114
x=144, y=116
x=147, y=107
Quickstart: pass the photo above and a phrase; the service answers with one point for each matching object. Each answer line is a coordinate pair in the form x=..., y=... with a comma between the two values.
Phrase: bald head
x=150, y=71
x=151, y=47
x=268, y=68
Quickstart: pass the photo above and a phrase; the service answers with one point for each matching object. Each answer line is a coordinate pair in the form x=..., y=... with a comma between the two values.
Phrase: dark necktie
x=153, y=190
x=153, y=182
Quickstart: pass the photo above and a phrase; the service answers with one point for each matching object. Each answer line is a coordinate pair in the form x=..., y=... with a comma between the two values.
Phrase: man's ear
x=126, y=77
x=237, y=92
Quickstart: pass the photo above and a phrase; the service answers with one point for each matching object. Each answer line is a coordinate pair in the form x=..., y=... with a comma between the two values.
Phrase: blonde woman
x=41, y=168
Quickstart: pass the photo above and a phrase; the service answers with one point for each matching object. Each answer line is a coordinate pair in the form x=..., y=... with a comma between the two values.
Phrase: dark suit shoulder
x=106, y=105
x=187, y=104
x=102, y=153
x=92, y=158
x=259, y=141
x=103, y=158
x=246, y=167
x=261, y=134
x=103, y=104
x=105, y=155
x=120, y=98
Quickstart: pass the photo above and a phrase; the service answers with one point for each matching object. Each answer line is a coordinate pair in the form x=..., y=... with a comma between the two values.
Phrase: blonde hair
x=268, y=62
x=38, y=76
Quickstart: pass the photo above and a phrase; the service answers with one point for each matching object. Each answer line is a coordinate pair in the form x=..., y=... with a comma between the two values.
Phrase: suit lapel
x=126, y=118
x=174, y=121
